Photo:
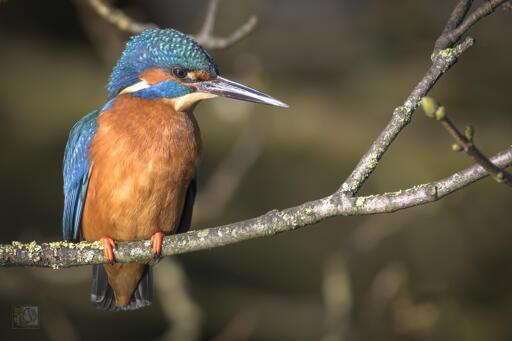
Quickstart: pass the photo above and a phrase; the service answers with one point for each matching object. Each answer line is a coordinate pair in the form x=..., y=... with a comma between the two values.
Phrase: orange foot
x=156, y=243
x=108, y=248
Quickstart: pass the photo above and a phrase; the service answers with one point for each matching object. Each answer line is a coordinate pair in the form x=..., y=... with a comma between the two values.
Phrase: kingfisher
x=130, y=168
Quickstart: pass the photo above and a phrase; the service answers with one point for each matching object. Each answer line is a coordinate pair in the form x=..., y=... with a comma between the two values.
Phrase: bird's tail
x=102, y=295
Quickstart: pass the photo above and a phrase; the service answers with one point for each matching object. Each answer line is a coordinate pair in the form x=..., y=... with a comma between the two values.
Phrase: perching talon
x=156, y=244
x=108, y=248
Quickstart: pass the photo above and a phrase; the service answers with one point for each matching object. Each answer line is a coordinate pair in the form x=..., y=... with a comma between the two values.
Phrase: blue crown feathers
x=162, y=48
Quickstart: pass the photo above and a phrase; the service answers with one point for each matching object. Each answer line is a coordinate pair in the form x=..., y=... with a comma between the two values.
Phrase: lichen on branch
x=64, y=254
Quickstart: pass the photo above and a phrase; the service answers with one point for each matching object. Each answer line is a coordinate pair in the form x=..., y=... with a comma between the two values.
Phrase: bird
x=130, y=168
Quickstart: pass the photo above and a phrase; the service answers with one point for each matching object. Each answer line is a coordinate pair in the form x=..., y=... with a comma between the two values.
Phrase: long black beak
x=226, y=88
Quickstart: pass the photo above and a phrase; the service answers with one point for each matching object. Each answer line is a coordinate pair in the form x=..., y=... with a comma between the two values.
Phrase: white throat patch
x=188, y=101
x=135, y=87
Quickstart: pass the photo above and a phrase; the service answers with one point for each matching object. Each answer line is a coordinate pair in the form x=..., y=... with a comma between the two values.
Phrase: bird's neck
x=179, y=101
x=146, y=108
x=150, y=120
x=187, y=102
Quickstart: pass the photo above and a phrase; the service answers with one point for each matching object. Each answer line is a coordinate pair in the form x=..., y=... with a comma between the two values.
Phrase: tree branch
x=464, y=141
x=205, y=37
x=459, y=23
x=486, y=8
x=64, y=254
x=402, y=115
x=458, y=14
x=443, y=58
x=117, y=17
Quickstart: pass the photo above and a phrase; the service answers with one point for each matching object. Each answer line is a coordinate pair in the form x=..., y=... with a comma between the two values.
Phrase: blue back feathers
x=160, y=48
x=76, y=171
x=76, y=174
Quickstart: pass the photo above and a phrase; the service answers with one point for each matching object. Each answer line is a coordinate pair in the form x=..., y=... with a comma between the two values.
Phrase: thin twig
x=205, y=37
x=209, y=21
x=469, y=148
x=219, y=43
x=64, y=254
x=442, y=60
x=486, y=8
x=103, y=35
x=464, y=141
x=458, y=14
x=226, y=178
x=118, y=18
x=402, y=115
x=453, y=33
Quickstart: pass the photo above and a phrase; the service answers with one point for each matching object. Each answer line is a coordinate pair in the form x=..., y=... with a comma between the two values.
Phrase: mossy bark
x=65, y=254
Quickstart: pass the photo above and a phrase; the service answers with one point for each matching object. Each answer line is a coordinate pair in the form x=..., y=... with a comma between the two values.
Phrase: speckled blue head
x=167, y=64
x=164, y=49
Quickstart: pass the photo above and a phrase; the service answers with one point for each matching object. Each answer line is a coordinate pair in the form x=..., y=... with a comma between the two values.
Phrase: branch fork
x=205, y=36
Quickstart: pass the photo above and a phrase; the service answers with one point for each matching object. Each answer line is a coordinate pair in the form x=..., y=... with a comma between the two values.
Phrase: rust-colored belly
x=143, y=158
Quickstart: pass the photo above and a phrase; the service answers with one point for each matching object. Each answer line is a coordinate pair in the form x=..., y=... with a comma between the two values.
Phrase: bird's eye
x=179, y=72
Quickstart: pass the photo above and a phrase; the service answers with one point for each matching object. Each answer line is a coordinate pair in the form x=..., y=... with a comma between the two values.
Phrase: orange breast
x=143, y=157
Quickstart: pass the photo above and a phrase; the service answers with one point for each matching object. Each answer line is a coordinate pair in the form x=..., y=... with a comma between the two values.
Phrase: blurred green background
x=436, y=272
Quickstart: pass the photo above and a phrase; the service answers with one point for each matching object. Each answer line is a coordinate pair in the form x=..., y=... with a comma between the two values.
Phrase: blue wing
x=76, y=174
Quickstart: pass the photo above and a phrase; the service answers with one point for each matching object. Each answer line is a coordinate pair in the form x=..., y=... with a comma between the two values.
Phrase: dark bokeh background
x=436, y=272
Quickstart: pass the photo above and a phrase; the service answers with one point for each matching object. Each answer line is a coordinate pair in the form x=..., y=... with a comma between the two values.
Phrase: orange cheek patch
x=154, y=76
x=198, y=75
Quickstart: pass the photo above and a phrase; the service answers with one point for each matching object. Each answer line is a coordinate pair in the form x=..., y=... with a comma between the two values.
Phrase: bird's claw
x=156, y=244
x=108, y=248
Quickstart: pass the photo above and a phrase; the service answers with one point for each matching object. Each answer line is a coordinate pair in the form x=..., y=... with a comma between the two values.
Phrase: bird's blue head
x=167, y=64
